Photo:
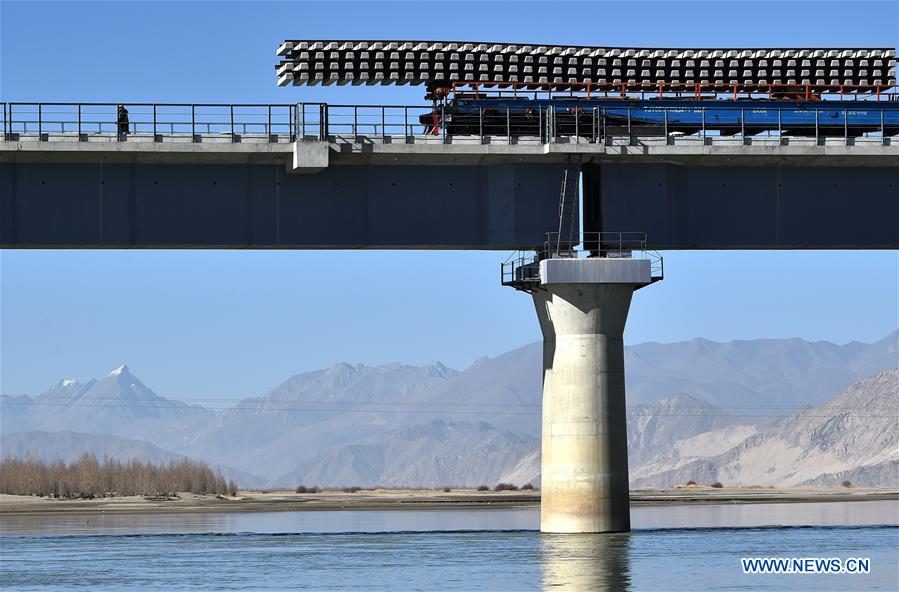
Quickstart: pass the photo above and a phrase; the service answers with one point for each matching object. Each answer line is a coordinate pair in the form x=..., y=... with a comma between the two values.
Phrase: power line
x=243, y=403
x=299, y=406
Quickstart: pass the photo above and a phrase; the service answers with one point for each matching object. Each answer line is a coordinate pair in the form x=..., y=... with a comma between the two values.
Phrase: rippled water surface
x=671, y=548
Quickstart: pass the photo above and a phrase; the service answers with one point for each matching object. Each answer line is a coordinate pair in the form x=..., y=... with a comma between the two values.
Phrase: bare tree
x=88, y=477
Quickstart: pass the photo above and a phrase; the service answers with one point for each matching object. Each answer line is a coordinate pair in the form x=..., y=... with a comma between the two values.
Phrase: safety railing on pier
x=522, y=269
x=826, y=122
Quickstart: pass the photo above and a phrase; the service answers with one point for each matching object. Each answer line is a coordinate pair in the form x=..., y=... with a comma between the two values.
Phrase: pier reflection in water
x=597, y=562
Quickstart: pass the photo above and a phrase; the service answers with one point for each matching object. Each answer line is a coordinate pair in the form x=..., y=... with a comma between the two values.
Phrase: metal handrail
x=521, y=269
x=349, y=121
x=157, y=119
x=387, y=123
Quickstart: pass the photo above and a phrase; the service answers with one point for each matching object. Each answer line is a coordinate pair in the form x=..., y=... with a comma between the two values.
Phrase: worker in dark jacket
x=122, y=120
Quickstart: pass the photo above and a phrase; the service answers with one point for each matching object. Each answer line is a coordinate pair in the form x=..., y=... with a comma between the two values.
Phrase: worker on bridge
x=122, y=120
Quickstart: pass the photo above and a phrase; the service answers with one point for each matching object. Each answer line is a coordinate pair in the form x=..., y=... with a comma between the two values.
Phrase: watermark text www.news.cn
x=805, y=565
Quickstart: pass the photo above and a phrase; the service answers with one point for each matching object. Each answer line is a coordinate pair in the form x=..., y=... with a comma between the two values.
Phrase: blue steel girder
x=242, y=205
x=777, y=206
x=701, y=202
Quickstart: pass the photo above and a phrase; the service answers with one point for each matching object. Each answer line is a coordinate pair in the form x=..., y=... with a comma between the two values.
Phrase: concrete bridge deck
x=422, y=149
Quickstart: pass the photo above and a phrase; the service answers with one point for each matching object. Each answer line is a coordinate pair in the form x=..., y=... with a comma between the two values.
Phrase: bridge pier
x=582, y=306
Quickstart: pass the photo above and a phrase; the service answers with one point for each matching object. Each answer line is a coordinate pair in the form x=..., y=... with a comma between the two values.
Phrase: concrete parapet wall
x=465, y=150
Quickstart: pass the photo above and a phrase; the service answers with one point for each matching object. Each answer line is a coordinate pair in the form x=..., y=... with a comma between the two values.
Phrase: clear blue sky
x=235, y=323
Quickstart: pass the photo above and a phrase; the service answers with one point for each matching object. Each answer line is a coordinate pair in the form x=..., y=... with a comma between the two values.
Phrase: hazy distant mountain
x=309, y=412
x=740, y=373
x=670, y=433
x=880, y=474
x=689, y=403
x=854, y=430
x=69, y=446
x=119, y=403
x=435, y=454
x=734, y=375
x=512, y=382
x=678, y=430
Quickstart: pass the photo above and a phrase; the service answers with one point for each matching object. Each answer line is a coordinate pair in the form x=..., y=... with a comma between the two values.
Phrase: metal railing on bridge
x=551, y=124
x=413, y=124
x=156, y=122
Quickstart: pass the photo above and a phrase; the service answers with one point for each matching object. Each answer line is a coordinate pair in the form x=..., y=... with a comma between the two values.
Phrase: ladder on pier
x=569, y=198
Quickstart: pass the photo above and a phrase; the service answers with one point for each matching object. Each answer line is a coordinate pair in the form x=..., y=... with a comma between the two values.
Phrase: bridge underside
x=260, y=206
x=746, y=207
x=498, y=206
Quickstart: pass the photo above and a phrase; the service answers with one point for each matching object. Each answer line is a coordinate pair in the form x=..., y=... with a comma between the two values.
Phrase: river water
x=670, y=548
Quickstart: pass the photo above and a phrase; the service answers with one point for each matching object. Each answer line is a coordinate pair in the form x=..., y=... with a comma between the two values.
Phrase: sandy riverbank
x=399, y=499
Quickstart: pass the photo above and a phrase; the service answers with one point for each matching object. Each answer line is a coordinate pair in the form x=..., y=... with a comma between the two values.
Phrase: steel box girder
x=120, y=205
x=746, y=207
x=432, y=206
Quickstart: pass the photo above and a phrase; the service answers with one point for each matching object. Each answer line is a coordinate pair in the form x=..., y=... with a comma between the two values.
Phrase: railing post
x=268, y=127
x=780, y=133
x=702, y=110
x=577, y=119
x=302, y=109
x=383, y=126
x=231, y=119
x=883, y=136
x=481, y=124
x=154, y=122
x=554, y=130
x=846, y=126
x=816, y=127
x=508, y=127
x=743, y=125
x=40, y=132
x=665, y=114
x=629, y=132
x=193, y=123
x=291, y=125
x=443, y=122
x=79, y=122
x=405, y=125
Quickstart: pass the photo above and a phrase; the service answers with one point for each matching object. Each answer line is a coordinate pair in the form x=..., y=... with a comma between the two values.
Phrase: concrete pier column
x=582, y=307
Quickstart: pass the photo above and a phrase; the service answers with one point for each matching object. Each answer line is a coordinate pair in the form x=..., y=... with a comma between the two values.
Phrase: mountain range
x=854, y=432
x=697, y=409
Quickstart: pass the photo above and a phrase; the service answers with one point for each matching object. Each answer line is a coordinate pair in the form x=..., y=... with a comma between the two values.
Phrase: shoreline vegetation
x=89, y=485
x=421, y=499
x=88, y=478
